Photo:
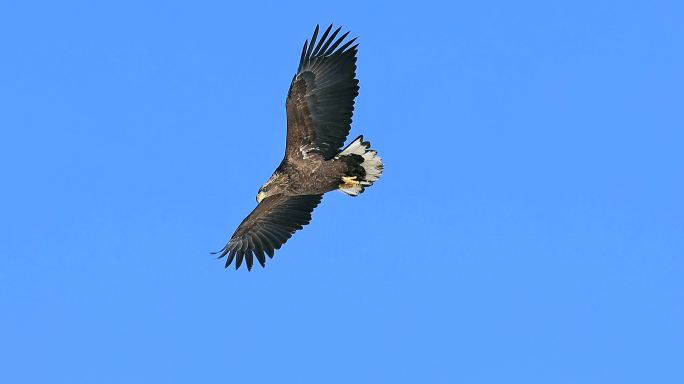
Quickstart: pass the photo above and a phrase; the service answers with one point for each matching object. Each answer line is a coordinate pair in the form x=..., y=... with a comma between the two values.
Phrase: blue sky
x=528, y=227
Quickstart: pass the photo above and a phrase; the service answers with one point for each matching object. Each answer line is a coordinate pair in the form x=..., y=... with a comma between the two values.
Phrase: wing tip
x=248, y=243
x=326, y=46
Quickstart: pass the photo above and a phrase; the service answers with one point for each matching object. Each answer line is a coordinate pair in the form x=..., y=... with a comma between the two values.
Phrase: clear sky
x=529, y=227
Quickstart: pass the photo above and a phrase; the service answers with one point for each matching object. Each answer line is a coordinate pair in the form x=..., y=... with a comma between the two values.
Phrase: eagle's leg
x=349, y=182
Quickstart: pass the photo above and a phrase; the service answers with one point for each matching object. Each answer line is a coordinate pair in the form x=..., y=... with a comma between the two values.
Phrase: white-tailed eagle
x=319, y=105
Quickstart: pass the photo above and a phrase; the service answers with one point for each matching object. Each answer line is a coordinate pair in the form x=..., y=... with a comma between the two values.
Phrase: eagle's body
x=319, y=106
x=312, y=175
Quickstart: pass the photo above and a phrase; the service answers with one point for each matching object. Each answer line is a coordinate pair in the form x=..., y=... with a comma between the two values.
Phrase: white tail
x=372, y=164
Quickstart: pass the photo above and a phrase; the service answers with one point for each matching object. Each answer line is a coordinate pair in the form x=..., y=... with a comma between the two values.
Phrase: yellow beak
x=261, y=196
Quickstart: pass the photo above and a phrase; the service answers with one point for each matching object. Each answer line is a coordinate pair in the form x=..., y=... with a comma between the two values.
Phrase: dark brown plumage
x=319, y=105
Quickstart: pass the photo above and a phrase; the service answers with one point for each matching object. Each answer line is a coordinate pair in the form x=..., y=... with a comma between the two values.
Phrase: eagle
x=319, y=106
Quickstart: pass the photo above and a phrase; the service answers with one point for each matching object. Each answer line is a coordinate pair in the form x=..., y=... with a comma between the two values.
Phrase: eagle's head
x=267, y=189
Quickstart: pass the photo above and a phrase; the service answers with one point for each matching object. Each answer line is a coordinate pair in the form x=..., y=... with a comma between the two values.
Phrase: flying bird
x=319, y=106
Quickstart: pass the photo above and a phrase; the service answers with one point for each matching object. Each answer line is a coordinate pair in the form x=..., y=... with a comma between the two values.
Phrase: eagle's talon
x=349, y=182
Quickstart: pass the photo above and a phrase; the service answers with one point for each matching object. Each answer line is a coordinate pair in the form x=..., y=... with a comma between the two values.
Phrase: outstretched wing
x=320, y=102
x=268, y=227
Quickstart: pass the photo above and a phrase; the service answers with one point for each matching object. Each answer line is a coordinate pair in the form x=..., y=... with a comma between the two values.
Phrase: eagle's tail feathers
x=360, y=155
